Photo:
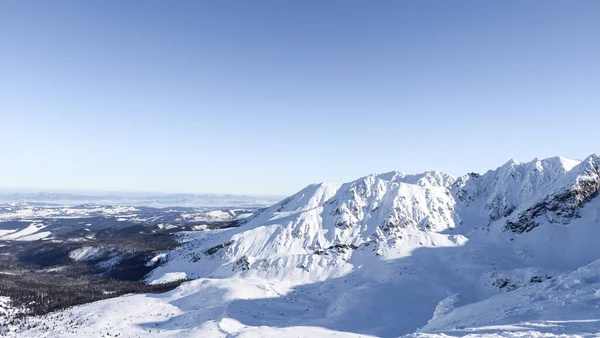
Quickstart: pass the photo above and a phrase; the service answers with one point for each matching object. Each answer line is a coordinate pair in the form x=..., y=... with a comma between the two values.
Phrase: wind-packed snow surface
x=512, y=252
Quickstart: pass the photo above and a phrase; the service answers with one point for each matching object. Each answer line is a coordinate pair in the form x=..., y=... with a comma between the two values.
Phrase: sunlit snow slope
x=386, y=255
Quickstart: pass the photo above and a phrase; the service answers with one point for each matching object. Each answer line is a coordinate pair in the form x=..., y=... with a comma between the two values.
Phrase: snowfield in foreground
x=512, y=252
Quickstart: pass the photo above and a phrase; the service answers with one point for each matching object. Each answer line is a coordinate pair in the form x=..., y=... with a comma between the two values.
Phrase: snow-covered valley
x=511, y=252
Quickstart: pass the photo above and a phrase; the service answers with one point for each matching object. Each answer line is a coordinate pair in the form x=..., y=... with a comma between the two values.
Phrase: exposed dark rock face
x=539, y=279
x=505, y=284
x=242, y=264
x=562, y=206
x=216, y=248
x=341, y=248
x=499, y=209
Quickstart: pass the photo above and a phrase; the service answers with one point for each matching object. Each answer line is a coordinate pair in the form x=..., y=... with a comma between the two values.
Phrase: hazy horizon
x=96, y=192
x=133, y=193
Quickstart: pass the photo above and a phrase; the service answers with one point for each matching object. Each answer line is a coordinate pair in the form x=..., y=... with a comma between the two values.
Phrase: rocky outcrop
x=563, y=205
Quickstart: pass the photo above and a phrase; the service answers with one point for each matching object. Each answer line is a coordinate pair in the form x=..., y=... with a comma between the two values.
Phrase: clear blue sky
x=269, y=96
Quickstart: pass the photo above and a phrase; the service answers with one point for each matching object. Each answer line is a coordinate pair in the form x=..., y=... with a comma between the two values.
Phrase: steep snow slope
x=30, y=233
x=384, y=255
x=311, y=235
x=574, y=189
x=567, y=304
x=499, y=192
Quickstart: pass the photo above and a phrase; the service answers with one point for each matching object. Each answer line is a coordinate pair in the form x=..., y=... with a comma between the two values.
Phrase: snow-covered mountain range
x=386, y=255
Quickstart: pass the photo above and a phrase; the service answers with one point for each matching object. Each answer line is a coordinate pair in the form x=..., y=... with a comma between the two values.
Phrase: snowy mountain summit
x=388, y=255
